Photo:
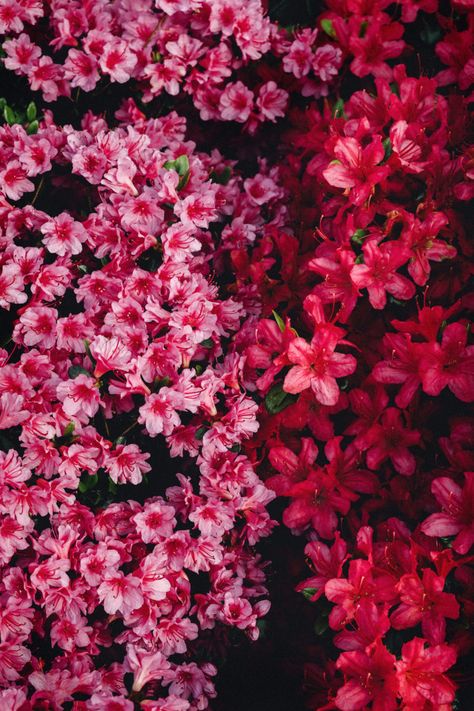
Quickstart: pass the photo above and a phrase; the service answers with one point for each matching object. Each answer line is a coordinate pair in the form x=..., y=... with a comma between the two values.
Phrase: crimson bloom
x=421, y=676
x=424, y=601
x=370, y=678
x=326, y=562
x=318, y=365
x=389, y=439
x=364, y=582
x=450, y=364
x=378, y=274
x=401, y=366
x=316, y=501
x=337, y=285
x=357, y=169
x=457, y=516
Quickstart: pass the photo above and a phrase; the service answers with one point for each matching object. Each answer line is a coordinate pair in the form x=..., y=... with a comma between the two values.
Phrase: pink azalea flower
x=13, y=180
x=271, y=101
x=156, y=522
x=117, y=60
x=236, y=102
x=80, y=397
x=146, y=666
x=109, y=354
x=158, y=414
x=126, y=464
x=13, y=658
x=120, y=593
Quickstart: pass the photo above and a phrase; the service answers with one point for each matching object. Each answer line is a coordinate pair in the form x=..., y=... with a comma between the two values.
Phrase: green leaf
x=76, y=370
x=180, y=165
x=32, y=128
x=223, y=177
x=328, y=28
x=279, y=320
x=277, y=399
x=69, y=431
x=88, y=482
x=88, y=350
x=112, y=487
x=338, y=109
x=3, y=103
x=31, y=111
x=359, y=259
x=363, y=28
x=9, y=115
x=200, y=432
x=308, y=593
x=358, y=236
x=387, y=144
x=207, y=343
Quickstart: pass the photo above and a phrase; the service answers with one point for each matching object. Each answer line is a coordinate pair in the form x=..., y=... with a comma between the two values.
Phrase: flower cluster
x=199, y=323
x=365, y=376
x=209, y=51
x=121, y=363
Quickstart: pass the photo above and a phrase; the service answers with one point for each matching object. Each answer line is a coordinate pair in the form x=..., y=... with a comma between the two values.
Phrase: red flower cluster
x=365, y=375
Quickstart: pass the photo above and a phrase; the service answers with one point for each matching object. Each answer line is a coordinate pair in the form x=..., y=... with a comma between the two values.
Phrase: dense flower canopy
x=234, y=281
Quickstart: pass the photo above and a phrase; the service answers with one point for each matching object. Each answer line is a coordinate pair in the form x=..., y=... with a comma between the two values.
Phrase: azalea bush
x=234, y=281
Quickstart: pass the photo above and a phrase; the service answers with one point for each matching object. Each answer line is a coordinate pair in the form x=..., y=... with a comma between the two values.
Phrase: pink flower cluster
x=119, y=340
x=176, y=47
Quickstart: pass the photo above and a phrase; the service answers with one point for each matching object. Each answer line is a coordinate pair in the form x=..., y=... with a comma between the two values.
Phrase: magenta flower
x=378, y=274
x=424, y=601
x=450, y=364
x=457, y=515
x=318, y=365
x=389, y=439
x=357, y=169
x=370, y=678
x=420, y=674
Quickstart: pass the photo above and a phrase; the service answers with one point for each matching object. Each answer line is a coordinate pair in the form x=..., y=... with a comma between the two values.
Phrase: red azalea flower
x=357, y=169
x=291, y=468
x=424, y=601
x=318, y=366
x=370, y=679
x=326, y=562
x=364, y=582
x=457, y=516
x=389, y=439
x=372, y=623
x=378, y=274
x=421, y=676
x=316, y=501
x=450, y=364
x=337, y=286
x=401, y=367
x=374, y=44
